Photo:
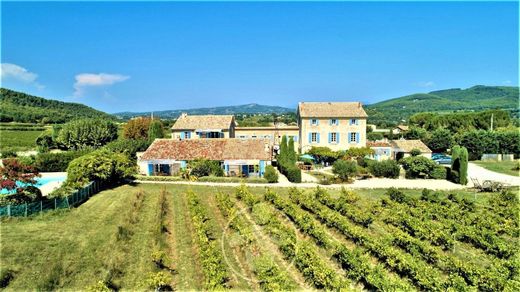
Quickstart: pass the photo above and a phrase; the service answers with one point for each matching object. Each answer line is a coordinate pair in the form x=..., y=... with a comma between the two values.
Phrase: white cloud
x=507, y=82
x=15, y=72
x=85, y=80
x=426, y=84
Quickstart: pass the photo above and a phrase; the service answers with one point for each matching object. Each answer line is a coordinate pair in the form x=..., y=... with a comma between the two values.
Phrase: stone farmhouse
x=246, y=151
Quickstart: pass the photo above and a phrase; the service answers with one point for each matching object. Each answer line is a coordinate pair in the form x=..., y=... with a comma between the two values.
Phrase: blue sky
x=156, y=56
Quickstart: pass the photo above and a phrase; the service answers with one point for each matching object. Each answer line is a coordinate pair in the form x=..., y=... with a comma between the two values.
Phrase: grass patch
x=505, y=167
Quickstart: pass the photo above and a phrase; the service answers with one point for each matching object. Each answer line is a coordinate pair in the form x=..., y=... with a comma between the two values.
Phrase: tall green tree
x=282, y=156
x=440, y=140
x=155, y=131
x=291, y=152
x=87, y=133
x=137, y=128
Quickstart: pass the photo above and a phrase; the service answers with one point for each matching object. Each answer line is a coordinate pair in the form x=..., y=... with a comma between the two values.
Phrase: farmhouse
x=337, y=125
x=273, y=134
x=237, y=157
x=204, y=126
x=403, y=148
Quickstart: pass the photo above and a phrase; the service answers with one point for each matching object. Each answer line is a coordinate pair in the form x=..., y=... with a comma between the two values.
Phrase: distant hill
x=475, y=98
x=20, y=107
x=251, y=108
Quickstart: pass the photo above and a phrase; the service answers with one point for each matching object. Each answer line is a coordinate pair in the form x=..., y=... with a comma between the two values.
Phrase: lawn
x=505, y=167
x=205, y=238
x=17, y=140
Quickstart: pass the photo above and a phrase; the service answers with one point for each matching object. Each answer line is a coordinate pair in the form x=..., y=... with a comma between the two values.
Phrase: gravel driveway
x=482, y=174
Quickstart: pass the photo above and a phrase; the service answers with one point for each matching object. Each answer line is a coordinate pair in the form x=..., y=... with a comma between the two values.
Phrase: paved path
x=482, y=174
x=306, y=177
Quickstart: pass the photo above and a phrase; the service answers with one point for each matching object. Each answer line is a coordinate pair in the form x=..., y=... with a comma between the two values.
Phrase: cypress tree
x=290, y=150
x=282, y=157
x=463, y=166
x=155, y=130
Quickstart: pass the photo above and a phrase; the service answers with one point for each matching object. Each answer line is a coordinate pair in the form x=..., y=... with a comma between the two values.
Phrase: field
x=506, y=167
x=18, y=140
x=146, y=236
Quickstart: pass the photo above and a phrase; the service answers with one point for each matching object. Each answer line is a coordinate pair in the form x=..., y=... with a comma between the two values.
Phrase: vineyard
x=204, y=238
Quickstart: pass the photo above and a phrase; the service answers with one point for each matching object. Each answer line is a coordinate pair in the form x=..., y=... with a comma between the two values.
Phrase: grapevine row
x=354, y=263
x=214, y=268
x=269, y=274
x=304, y=255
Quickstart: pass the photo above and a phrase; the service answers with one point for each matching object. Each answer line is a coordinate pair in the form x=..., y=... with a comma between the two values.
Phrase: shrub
x=56, y=162
x=344, y=169
x=45, y=141
x=417, y=166
x=373, y=136
x=385, y=168
x=158, y=281
x=429, y=196
x=293, y=173
x=459, y=165
x=415, y=152
x=8, y=153
x=438, y=172
x=101, y=165
x=270, y=174
x=203, y=167
x=396, y=195
x=6, y=275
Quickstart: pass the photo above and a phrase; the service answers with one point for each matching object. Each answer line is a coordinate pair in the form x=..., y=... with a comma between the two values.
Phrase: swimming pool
x=40, y=182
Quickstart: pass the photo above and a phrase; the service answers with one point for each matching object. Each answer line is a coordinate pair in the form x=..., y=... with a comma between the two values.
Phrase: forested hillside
x=20, y=107
x=476, y=98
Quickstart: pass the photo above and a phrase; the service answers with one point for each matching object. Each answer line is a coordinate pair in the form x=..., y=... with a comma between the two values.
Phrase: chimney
x=183, y=115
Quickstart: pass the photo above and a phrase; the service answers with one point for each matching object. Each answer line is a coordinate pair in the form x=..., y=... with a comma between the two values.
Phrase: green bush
x=262, y=213
x=294, y=174
x=101, y=165
x=415, y=152
x=396, y=195
x=344, y=169
x=374, y=136
x=270, y=174
x=56, y=162
x=225, y=179
x=418, y=166
x=203, y=167
x=8, y=153
x=438, y=172
x=459, y=165
x=386, y=168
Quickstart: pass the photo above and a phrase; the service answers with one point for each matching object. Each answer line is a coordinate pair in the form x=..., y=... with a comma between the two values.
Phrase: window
x=353, y=122
x=267, y=136
x=352, y=137
x=251, y=168
x=333, y=138
x=314, y=122
x=254, y=136
x=334, y=122
x=314, y=137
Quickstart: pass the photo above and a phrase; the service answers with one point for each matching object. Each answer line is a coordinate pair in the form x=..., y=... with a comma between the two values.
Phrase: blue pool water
x=41, y=181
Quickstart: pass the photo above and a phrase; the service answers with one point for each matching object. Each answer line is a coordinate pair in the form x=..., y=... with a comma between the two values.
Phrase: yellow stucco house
x=203, y=126
x=337, y=125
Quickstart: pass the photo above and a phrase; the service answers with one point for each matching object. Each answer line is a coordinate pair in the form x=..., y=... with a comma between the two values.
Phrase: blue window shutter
x=182, y=135
x=330, y=122
x=295, y=138
x=357, y=123
x=337, y=138
x=189, y=135
x=330, y=138
x=310, y=137
x=150, y=169
x=348, y=137
x=357, y=137
x=183, y=164
x=317, y=137
x=317, y=122
x=310, y=121
x=262, y=167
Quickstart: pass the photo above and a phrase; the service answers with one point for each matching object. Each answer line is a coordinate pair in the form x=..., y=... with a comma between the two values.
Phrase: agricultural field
x=149, y=236
x=19, y=136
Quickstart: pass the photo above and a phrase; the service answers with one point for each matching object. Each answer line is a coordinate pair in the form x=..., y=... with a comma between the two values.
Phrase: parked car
x=440, y=158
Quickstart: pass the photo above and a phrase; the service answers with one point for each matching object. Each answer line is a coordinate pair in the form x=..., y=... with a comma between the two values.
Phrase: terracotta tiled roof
x=409, y=145
x=187, y=122
x=212, y=149
x=402, y=127
x=378, y=144
x=331, y=109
